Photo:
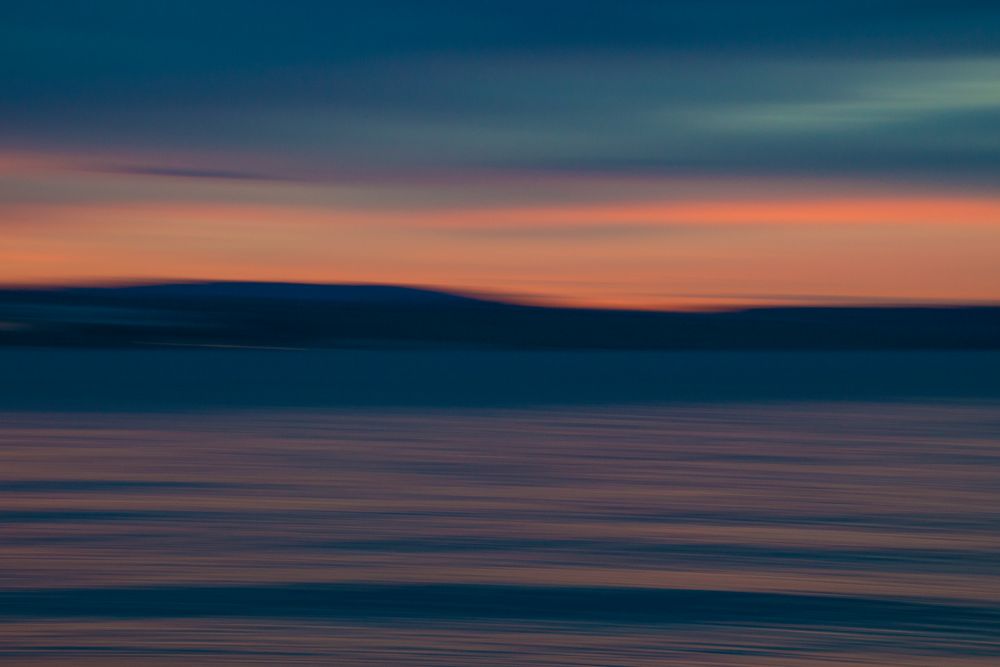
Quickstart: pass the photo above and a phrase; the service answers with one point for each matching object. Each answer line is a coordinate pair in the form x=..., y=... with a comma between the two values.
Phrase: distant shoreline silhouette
x=301, y=315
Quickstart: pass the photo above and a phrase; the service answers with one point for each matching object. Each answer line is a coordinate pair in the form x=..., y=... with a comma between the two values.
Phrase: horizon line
x=717, y=302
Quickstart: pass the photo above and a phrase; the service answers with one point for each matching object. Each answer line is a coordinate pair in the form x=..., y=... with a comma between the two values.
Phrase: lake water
x=214, y=508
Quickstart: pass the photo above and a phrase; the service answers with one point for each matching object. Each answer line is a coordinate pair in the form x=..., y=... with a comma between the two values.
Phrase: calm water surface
x=727, y=534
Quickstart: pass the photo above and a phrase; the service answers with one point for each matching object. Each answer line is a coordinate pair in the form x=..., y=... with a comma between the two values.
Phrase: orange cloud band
x=915, y=210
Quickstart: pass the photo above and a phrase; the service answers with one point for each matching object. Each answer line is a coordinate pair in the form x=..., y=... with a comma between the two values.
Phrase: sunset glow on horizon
x=627, y=246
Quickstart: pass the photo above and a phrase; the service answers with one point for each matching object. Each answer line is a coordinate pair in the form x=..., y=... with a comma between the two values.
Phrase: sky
x=649, y=153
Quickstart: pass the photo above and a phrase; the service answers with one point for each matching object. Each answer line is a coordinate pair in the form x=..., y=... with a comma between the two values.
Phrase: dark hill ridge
x=261, y=314
x=328, y=293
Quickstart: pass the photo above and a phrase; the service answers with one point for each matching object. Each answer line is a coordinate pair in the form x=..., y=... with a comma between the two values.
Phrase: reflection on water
x=766, y=535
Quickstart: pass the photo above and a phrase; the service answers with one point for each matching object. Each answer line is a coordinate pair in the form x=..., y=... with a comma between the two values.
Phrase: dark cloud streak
x=197, y=173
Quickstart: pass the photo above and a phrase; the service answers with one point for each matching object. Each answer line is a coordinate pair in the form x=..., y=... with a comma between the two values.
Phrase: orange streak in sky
x=929, y=210
x=874, y=211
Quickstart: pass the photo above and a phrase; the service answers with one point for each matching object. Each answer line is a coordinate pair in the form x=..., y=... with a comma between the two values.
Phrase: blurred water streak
x=781, y=534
